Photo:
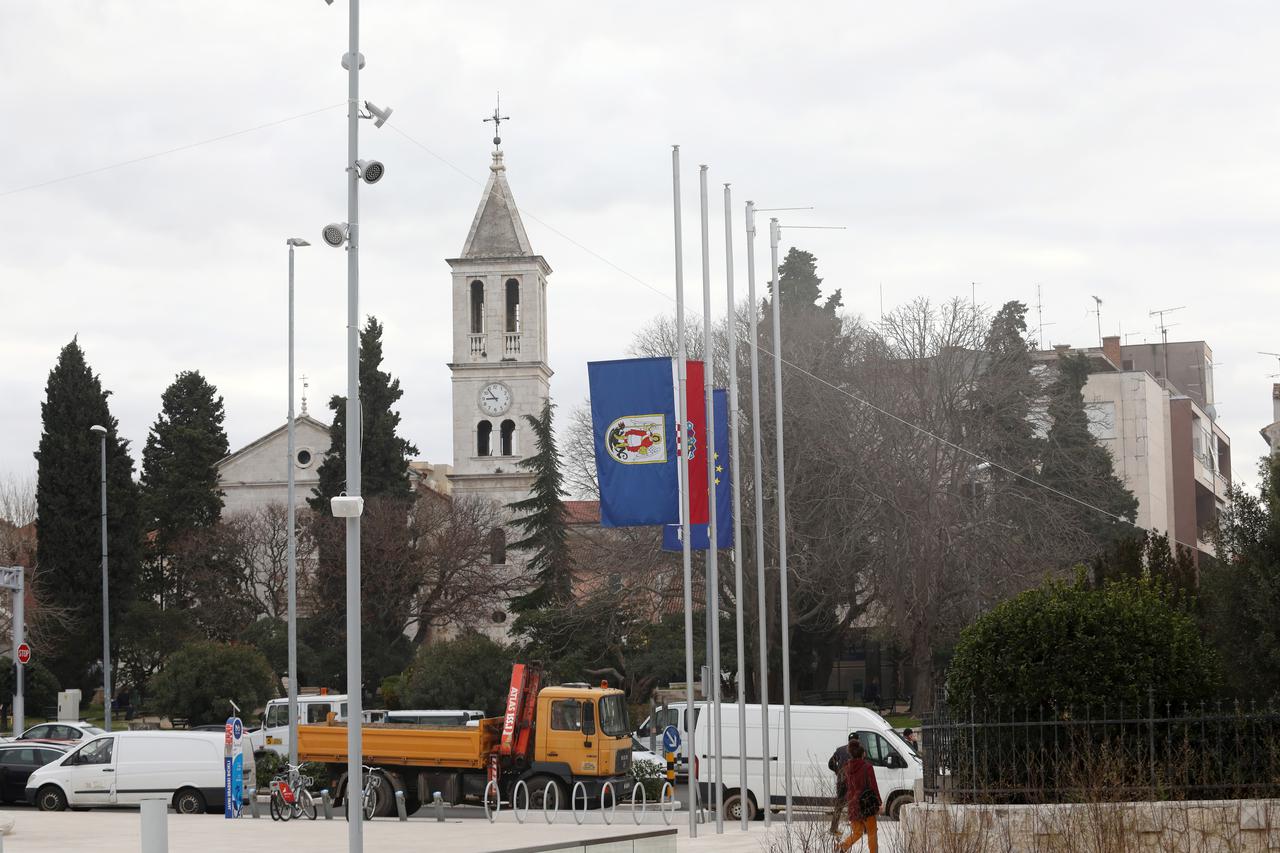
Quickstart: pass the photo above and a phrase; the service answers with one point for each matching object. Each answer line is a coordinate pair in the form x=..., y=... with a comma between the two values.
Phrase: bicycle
x=291, y=795
x=369, y=799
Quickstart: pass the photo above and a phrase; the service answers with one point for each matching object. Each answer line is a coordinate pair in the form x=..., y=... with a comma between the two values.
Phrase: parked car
x=59, y=732
x=19, y=760
x=121, y=768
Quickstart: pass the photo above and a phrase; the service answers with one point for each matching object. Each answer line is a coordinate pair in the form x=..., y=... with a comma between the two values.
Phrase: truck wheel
x=411, y=805
x=51, y=799
x=189, y=801
x=384, y=797
x=538, y=790
x=735, y=803
x=896, y=805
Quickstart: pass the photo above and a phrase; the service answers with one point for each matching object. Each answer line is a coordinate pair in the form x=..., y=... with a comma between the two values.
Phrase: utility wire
x=795, y=367
x=167, y=152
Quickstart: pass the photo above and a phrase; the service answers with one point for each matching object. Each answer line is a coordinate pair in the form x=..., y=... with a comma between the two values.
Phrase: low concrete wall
x=1238, y=826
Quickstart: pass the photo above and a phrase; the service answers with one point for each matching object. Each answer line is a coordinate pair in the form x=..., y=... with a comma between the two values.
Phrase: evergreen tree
x=801, y=285
x=384, y=456
x=180, y=477
x=1006, y=392
x=68, y=526
x=542, y=521
x=1077, y=466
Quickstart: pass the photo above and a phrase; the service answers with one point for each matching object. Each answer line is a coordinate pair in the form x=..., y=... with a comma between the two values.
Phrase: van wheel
x=51, y=799
x=735, y=803
x=189, y=801
x=896, y=804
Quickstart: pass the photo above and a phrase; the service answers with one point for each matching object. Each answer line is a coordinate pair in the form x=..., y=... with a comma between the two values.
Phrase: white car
x=61, y=732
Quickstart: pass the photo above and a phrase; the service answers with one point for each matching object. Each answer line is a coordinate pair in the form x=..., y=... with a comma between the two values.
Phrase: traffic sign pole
x=14, y=579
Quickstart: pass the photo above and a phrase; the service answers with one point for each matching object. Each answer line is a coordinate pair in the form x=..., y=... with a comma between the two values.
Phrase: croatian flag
x=633, y=421
x=699, y=540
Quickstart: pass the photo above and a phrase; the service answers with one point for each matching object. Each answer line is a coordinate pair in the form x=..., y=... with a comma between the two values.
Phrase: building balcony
x=511, y=344
x=477, y=344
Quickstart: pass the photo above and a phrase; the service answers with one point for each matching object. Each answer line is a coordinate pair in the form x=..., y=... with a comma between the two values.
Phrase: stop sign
x=24, y=653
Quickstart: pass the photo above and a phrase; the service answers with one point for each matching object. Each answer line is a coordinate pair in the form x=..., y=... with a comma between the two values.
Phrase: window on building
x=484, y=434
x=508, y=438
x=513, y=305
x=498, y=546
x=477, y=307
x=1102, y=419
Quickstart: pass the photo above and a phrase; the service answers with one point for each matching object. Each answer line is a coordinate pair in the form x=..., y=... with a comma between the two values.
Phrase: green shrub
x=1073, y=644
x=200, y=680
x=470, y=672
x=648, y=774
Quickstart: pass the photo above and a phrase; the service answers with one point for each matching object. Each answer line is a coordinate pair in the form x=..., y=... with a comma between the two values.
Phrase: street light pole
x=101, y=432
x=293, y=536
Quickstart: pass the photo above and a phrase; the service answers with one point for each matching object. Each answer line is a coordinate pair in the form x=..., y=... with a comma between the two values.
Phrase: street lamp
x=292, y=242
x=350, y=505
x=101, y=432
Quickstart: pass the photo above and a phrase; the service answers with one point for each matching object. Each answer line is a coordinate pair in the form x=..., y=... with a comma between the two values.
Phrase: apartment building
x=1271, y=432
x=1152, y=406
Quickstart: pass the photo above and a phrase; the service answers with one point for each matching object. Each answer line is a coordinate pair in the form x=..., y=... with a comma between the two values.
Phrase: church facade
x=499, y=367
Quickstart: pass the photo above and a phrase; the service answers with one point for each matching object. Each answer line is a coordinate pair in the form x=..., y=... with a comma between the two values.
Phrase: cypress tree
x=68, y=524
x=384, y=459
x=542, y=521
x=179, y=474
x=1076, y=465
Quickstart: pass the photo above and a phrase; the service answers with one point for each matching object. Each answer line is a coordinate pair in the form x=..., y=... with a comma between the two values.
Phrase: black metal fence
x=1151, y=751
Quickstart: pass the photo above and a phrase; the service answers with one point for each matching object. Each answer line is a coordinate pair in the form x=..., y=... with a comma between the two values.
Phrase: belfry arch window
x=477, y=307
x=484, y=435
x=508, y=438
x=498, y=547
x=513, y=305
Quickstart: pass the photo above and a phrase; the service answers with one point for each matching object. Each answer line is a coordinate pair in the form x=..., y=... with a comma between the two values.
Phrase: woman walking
x=863, y=797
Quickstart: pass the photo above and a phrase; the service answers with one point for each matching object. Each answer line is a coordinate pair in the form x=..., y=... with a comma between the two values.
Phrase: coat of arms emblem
x=637, y=439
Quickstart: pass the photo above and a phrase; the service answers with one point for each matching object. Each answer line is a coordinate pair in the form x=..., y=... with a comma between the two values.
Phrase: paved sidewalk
x=105, y=831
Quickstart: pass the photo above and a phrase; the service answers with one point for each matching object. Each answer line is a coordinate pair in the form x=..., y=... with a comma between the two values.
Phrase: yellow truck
x=564, y=735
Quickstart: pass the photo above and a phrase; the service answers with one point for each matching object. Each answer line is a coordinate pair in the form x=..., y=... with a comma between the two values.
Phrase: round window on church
x=498, y=617
x=303, y=457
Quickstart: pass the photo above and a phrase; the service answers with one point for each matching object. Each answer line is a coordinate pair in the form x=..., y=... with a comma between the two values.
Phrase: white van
x=273, y=733
x=817, y=731
x=123, y=768
x=435, y=719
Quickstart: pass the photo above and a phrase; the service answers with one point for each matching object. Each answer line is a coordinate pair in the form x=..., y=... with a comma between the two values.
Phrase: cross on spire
x=497, y=118
x=304, y=393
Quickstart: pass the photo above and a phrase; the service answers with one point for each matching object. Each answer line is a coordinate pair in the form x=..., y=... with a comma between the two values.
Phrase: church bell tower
x=499, y=367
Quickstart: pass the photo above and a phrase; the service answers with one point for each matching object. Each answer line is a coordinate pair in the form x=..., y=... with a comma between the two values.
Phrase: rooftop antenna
x=1040, y=323
x=973, y=295
x=1276, y=356
x=497, y=118
x=882, y=300
x=1097, y=311
x=1164, y=337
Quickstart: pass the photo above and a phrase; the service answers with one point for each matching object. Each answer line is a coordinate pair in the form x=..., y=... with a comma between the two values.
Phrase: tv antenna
x=1276, y=356
x=1097, y=311
x=1040, y=323
x=1164, y=336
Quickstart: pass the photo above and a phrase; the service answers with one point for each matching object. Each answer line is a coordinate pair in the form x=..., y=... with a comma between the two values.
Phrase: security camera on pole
x=350, y=505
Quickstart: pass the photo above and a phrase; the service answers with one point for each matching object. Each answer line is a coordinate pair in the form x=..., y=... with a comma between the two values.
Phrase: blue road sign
x=670, y=739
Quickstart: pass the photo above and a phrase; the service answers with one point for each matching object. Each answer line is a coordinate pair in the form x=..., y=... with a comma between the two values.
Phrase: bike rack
x=613, y=800
x=497, y=800
x=551, y=816
x=665, y=799
x=573, y=803
x=644, y=803
x=521, y=816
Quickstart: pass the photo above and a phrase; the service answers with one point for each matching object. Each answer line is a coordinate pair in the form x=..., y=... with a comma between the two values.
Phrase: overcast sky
x=1127, y=150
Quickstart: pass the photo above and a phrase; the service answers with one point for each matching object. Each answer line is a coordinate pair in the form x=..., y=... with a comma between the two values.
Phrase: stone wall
x=1238, y=826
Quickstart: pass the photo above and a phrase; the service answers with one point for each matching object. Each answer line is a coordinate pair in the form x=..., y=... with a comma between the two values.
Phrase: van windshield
x=613, y=716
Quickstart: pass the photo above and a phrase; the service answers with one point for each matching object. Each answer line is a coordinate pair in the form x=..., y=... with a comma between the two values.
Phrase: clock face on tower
x=495, y=399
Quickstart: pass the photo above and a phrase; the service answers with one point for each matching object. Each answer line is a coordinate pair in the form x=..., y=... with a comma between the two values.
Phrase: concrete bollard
x=155, y=826
x=253, y=802
x=400, y=808
x=438, y=801
x=327, y=802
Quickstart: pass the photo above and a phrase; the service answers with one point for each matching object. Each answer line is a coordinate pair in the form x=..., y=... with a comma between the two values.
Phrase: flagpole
x=732, y=320
x=713, y=564
x=785, y=627
x=762, y=630
x=690, y=716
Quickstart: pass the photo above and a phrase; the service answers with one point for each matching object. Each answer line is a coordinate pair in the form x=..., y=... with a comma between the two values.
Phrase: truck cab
x=582, y=730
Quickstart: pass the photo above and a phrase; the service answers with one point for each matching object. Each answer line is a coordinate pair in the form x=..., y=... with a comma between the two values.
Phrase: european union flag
x=633, y=419
x=699, y=538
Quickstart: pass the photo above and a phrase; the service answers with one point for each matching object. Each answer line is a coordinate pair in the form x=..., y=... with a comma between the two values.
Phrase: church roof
x=496, y=231
x=302, y=419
